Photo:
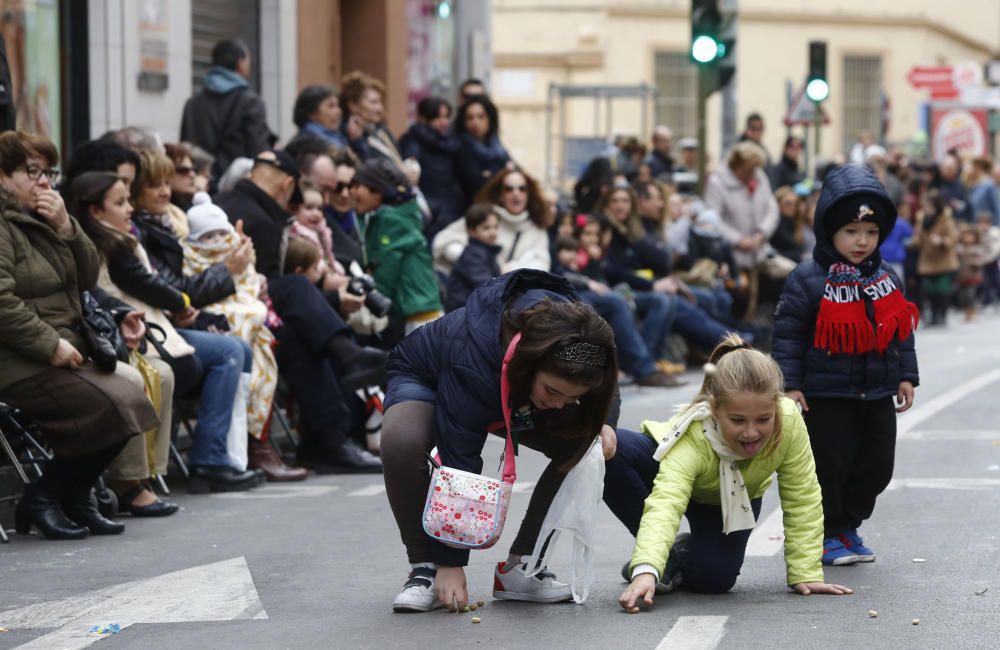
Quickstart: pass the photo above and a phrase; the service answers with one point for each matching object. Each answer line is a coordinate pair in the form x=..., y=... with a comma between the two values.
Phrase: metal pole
x=818, y=121
x=701, y=110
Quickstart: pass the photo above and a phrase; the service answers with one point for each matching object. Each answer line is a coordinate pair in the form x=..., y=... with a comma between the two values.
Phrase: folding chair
x=32, y=453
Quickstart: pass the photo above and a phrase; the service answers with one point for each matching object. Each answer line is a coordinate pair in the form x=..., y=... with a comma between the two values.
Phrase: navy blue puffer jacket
x=817, y=372
x=455, y=362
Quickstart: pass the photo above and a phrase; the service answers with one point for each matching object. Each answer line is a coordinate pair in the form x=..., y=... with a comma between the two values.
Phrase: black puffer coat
x=438, y=180
x=816, y=372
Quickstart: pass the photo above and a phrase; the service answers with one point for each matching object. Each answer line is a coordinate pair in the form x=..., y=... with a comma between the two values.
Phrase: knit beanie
x=708, y=223
x=204, y=217
x=385, y=178
x=861, y=208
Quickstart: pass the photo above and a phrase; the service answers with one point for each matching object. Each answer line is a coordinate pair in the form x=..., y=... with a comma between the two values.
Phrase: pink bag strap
x=509, y=470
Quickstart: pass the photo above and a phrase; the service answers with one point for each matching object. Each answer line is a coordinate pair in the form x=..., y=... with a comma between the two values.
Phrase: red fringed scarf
x=842, y=326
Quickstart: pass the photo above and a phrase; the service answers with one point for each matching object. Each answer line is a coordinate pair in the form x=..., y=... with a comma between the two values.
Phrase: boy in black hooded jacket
x=843, y=336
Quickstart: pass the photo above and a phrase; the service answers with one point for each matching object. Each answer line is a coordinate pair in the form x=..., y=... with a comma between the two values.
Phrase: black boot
x=78, y=507
x=41, y=508
x=212, y=478
x=357, y=366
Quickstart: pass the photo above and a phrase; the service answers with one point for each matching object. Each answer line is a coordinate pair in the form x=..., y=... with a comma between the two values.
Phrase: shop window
x=677, y=103
x=862, y=97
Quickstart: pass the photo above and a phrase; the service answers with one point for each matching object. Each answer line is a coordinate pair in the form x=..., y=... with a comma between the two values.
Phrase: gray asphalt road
x=316, y=565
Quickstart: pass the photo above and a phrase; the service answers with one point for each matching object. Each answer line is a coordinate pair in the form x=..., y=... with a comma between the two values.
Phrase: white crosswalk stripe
x=368, y=491
x=694, y=633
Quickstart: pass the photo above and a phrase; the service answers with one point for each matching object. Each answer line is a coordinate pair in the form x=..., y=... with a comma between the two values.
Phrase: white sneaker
x=419, y=593
x=514, y=583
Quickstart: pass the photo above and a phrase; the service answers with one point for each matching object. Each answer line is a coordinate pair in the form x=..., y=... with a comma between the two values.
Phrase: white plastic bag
x=236, y=440
x=573, y=510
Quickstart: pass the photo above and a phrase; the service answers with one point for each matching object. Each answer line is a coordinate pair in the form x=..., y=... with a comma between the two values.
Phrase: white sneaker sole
x=404, y=608
x=531, y=598
x=866, y=558
x=843, y=561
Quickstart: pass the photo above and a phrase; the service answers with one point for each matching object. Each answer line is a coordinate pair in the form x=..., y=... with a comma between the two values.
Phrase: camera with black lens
x=362, y=284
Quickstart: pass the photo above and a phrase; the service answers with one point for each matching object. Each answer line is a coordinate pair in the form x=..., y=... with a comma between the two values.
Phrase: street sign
x=936, y=76
x=946, y=81
x=802, y=111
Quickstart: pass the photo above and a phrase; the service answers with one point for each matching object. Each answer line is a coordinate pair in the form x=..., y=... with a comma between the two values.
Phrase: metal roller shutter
x=216, y=20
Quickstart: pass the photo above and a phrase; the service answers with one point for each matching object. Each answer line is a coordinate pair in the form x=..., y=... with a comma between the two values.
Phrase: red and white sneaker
x=512, y=582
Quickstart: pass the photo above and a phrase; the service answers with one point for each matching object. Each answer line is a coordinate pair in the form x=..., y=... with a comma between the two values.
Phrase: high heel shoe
x=79, y=508
x=42, y=509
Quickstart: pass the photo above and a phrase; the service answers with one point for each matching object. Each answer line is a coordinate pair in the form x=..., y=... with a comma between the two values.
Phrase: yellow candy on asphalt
x=633, y=610
x=481, y=603
x=475, y=619
x=472, y=607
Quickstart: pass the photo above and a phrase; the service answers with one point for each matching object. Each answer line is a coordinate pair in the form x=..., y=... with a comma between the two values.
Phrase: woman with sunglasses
x=523, y=237
x=182, y=183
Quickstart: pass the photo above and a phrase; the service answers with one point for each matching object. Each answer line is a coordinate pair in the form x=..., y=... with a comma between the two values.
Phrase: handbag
x=466, y=510
x=100, y=334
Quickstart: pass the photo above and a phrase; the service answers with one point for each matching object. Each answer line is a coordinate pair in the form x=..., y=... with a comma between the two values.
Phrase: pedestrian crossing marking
x=694, y=633
x=945, y=483
x=369, y=491
x=280, y=492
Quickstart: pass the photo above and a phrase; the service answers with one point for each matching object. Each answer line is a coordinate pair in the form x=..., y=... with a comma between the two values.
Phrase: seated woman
x=209, y=285
x=445, y=383
x=524, y=219
x=183, y=185
x=87, y=415
x=480, y=155
x=395, y=248
x=205, y=362
x=712, y=463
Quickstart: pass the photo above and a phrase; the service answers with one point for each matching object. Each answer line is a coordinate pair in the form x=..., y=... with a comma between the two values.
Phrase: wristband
x=187, y=300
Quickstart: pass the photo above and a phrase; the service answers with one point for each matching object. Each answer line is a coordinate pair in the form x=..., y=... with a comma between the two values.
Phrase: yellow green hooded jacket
x=690, y=470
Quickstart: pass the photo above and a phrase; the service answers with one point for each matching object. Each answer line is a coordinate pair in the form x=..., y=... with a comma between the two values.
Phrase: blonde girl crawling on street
x=712, y=462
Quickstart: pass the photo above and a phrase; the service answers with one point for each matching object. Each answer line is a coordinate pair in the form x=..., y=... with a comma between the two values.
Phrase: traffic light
x=817, y=87
x=713, y=42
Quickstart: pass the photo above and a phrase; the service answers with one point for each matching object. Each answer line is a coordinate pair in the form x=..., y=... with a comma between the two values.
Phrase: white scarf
x=515, y=220
x=736, y=511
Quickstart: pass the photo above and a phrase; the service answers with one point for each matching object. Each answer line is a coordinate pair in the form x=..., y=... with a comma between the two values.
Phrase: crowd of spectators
x=240, y=278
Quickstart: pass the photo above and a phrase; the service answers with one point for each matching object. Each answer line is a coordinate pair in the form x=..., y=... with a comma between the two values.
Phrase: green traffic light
x=817, y=90
x=705, y=49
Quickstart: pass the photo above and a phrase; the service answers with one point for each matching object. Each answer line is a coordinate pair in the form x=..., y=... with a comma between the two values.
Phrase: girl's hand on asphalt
x=797, y=397
x=642, y=586
x=807, y=588
x=904, y=397
x=451, y=589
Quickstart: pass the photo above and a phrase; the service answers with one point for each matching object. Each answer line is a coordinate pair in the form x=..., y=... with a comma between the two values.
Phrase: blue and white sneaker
x=836, y=554
x=853, y=543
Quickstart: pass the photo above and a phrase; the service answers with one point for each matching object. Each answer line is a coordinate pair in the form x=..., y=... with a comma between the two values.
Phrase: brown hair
x=800, y=210
x=567, y=243
x=17, y=146
x=492, y=192
x=632, y=228
x=546, y=329
x=156, y=168
x=642, y=189
x=477, y=215
x=353, y=87
x=735, y=367
x=178, y=152
x=300, y=255
x=88, y=190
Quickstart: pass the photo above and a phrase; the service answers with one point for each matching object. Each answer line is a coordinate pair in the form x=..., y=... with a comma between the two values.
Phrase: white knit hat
x=204, y=217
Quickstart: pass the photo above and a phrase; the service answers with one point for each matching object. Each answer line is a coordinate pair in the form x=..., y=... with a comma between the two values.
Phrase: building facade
x=872, y=44
x=83, y=67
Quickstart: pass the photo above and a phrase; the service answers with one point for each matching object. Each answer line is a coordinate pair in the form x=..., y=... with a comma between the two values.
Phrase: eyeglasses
x=35, y=173
x=515, y=188
x=184, y=170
